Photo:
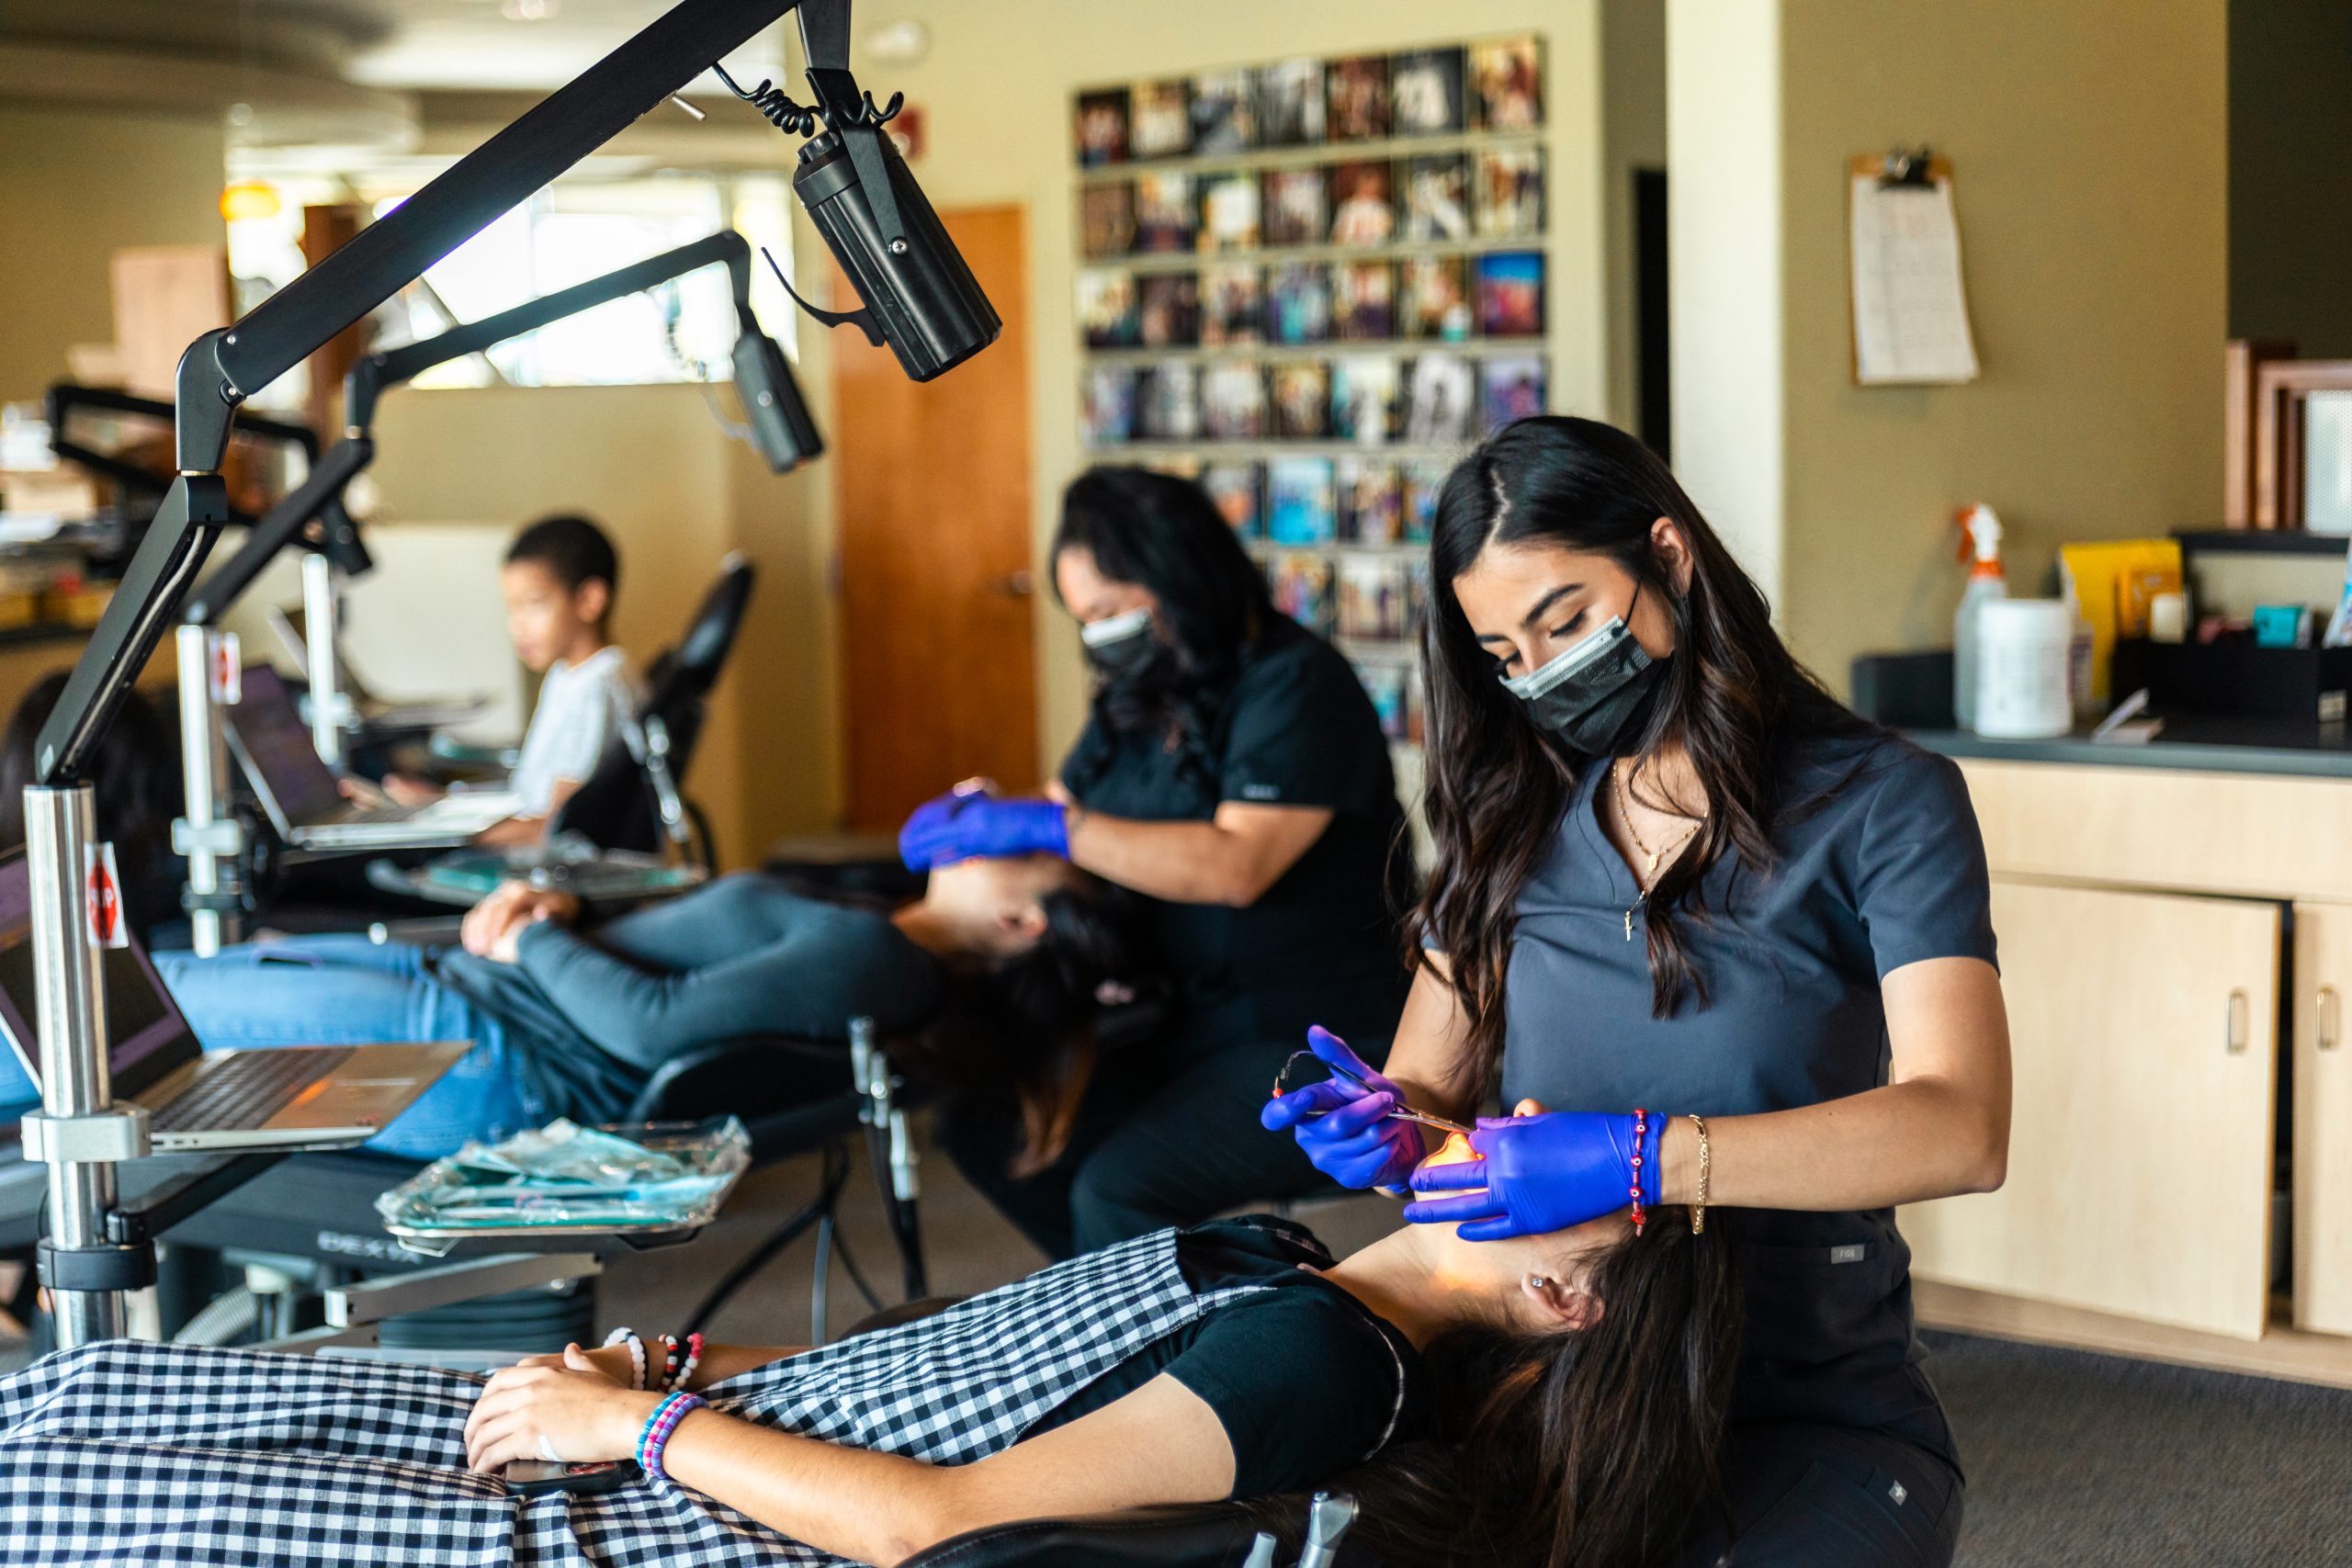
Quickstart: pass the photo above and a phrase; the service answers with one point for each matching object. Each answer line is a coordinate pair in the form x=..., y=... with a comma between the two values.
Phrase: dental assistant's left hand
x=1538, y=1173
x=583, y=1413
x=969, y=827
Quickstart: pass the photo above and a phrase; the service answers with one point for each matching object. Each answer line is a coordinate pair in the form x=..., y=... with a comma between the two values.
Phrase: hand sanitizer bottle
x=1982, y=546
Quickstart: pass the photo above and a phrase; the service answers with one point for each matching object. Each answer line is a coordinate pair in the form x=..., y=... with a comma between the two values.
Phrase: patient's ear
x=1561, y=1302
x=1025, y=921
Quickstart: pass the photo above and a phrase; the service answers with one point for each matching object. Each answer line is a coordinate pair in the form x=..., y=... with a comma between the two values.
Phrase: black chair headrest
x=710, y=635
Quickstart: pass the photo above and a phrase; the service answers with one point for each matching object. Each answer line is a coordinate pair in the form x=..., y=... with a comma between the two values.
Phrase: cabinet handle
x=2331, y=1018
x=2234, y=1030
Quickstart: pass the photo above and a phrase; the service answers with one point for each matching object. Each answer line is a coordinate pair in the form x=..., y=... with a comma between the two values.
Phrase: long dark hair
x=1165, y=534
x=1025, y=1024
x=1597, y=1447
x=137, y=775
x=1732, y=697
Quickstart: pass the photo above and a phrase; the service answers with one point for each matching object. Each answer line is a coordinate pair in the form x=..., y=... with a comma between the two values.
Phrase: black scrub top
x=1293, y=727
x=1885, y=868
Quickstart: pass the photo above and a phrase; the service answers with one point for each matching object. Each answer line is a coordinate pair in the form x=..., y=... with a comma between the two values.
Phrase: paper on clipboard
x=1910, y=311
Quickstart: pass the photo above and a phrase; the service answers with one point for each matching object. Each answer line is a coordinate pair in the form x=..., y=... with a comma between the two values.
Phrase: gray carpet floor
x=2073, y=1460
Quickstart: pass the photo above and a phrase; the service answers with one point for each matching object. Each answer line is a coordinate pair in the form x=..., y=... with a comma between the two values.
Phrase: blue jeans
x=345, y=990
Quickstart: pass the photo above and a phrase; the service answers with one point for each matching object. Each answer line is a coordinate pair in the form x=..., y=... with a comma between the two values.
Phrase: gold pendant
x=1629, y=925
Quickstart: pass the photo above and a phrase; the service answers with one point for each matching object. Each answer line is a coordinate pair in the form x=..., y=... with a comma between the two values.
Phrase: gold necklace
x=1647, y=879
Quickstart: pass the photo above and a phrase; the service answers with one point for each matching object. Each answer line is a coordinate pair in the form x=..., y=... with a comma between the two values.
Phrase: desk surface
x=2188, y=743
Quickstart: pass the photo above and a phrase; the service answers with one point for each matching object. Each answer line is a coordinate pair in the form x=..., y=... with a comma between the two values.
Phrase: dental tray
x=646, y=1184
x=609, y=876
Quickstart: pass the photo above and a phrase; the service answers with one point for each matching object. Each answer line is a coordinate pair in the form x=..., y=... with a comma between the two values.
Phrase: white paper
x=1910, y=311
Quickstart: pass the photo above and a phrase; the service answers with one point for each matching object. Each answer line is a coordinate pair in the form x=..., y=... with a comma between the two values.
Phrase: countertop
x=2210, y=743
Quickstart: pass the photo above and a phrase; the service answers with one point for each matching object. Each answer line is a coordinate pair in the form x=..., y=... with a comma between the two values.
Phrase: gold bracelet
x=1699, y=1210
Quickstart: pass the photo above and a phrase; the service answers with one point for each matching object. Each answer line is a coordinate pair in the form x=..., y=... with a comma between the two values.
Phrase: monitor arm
x=375, y=373
x=65, y=398
x=223, y=368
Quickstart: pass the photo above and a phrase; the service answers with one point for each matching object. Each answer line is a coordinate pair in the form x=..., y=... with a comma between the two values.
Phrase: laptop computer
x=295, y=1098
x=304, y=803
x=290, y=628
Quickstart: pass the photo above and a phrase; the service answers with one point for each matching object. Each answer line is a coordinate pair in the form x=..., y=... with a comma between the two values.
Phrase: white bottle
x=1984, y=581
x=2081, y=645
x=2021, y=669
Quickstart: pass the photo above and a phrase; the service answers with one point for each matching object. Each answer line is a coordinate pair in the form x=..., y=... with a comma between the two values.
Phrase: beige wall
x=2098, y=302
x=1722, y=194
x=995, y=93
x=2290, y=183
x=75, y=185
x=652, y=465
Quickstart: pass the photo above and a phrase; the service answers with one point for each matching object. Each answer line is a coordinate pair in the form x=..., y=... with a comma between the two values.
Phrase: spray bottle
x=1980, y=546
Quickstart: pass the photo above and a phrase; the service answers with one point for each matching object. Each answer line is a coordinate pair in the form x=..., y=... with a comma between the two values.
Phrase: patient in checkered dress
x=1234, y=1360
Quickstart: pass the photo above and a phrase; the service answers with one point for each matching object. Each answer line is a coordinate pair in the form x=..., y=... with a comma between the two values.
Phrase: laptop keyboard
x=246, y=1092
x=362, y=817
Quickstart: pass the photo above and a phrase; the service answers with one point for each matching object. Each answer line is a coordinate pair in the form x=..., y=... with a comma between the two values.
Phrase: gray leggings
x=1810, y=1495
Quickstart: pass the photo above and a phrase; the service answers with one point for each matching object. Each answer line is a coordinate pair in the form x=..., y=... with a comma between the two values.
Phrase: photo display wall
x=1312, y=284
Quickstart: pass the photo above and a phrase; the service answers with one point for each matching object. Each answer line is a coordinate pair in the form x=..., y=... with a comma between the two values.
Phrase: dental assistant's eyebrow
x=1537, y=612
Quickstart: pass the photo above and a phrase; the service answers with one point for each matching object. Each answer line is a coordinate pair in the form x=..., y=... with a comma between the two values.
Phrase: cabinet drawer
x=2144, y=1031
x=2280, y=838
x=2323, y=1079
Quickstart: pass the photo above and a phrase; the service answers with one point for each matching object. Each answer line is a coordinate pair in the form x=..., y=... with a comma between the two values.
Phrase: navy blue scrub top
x=1885, y=868
x=1292, y=729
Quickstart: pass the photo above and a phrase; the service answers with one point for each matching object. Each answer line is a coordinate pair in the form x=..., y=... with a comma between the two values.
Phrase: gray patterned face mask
x=1592, y=695
x=1116, y=644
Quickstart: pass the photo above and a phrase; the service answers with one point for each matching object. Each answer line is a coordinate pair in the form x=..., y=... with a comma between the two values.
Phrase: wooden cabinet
x=2322, y=1182
x=2143, y=1028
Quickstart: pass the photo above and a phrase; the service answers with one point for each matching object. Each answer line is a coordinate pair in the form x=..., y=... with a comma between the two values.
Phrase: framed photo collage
x=1311, y=285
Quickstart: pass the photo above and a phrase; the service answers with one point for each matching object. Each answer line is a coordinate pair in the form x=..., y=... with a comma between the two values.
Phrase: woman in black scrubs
x=1675, y=874
x=1234, y=772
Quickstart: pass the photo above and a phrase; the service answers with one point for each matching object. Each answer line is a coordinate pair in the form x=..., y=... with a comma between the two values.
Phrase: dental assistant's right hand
x=1346, y=1132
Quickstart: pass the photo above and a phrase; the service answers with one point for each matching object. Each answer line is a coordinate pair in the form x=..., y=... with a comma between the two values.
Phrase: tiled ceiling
x=422, y=44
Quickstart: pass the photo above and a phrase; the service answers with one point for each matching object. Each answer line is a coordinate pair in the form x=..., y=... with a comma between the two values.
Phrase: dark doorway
x=1652, y=365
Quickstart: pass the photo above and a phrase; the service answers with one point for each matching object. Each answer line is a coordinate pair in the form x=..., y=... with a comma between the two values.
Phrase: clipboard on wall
x=1909, y=304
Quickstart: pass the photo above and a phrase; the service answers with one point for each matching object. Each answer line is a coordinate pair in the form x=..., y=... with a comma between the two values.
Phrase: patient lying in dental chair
x=1005, y=955
x=1551, y=1400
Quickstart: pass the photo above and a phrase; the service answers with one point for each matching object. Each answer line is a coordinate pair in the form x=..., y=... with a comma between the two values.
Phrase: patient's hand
x=572, y=1412
x=406, y=791
x=612, y=1360
x=493, y=928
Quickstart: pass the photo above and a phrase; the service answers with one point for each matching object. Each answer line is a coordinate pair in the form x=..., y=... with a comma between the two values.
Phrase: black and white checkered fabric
x=128, y=1454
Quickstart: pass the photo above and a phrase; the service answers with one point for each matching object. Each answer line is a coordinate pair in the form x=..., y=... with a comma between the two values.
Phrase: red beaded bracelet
x=1641, y=1135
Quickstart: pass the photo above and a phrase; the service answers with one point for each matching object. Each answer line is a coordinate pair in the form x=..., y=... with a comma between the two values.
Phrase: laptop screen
x=274, y=736
x=140, y=1017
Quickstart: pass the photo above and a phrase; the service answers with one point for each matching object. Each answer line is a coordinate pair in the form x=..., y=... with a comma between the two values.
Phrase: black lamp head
x=781, y=427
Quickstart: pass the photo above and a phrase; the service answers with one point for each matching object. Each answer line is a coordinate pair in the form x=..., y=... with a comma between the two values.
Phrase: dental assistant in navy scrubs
x=1675, y=875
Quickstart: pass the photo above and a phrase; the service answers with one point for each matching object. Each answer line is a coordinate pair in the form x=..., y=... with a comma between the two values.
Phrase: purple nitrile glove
x=1539, y=1174
x=925, y=826
x=1347, y=1132
x=973, y=827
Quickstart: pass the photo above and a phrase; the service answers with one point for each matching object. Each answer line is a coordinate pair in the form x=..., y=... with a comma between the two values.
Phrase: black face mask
x=1119, y=645
x=1598, y=694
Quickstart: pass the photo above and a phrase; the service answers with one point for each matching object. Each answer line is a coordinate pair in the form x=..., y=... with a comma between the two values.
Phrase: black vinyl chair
x=631, y=800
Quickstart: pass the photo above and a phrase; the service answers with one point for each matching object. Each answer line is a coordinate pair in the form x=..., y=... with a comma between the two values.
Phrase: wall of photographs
x=1311, y=285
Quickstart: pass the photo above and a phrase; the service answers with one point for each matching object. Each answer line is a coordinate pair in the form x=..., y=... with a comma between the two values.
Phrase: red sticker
x=106, y=908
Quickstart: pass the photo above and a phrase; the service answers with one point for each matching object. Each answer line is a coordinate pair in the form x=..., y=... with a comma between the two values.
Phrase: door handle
x=1014, y=584
x=2331, y=1018
x=2236, y=1029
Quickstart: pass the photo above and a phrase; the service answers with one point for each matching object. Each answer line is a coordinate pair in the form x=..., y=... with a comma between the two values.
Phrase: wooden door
x=2323, y=1112
x=932, y=486
x=2144, y=1029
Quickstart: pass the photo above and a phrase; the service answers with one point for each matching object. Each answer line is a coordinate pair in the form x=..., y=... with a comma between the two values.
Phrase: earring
x=1538, y=1282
